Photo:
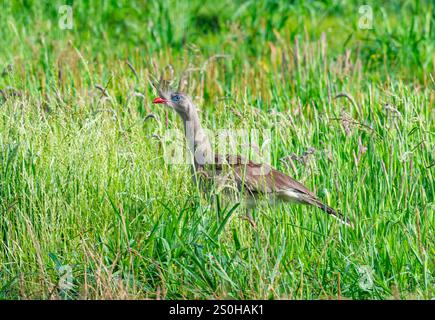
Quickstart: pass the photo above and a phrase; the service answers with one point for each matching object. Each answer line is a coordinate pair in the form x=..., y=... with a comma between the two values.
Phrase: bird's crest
x=165, y=84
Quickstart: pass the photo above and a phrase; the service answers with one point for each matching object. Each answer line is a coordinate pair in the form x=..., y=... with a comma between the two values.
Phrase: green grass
x=83, y=183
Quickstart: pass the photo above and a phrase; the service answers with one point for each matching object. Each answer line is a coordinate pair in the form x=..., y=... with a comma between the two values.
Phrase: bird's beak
x=159, y=100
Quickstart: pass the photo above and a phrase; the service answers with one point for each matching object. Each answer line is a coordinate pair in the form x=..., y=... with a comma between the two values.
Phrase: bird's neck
x=196, y=137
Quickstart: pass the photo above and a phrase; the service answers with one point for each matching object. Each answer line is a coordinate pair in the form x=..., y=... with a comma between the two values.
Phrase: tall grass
x=85, y=194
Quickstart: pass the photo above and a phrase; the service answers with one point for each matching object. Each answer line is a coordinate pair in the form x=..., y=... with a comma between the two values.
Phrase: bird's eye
x=176, y=98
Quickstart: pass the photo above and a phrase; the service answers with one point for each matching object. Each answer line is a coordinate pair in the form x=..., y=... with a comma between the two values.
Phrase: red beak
x=159, y=100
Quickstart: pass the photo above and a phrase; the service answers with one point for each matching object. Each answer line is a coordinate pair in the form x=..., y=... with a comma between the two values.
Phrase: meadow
x=89, y=209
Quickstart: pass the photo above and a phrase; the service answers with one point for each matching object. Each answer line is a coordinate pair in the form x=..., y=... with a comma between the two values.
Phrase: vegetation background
x=89, y=209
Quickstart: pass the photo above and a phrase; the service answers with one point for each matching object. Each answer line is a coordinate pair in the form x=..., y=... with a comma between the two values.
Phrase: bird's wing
x=260, y=178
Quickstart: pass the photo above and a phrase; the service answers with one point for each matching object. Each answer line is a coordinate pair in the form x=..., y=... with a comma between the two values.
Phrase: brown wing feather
x=260, y=178
x=263, y=179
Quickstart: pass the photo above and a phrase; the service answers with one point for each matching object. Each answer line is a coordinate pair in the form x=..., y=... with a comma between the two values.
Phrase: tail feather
x=299, y=197
x=337, y=215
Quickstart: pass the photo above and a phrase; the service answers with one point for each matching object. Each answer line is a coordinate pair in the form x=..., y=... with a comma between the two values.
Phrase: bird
x=254, y=181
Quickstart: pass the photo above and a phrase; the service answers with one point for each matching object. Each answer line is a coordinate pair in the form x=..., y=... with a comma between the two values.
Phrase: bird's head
x=178, y=101
x=175, y=98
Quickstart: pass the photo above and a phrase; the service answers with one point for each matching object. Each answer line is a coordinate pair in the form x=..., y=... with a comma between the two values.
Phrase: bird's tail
x=337, y=215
